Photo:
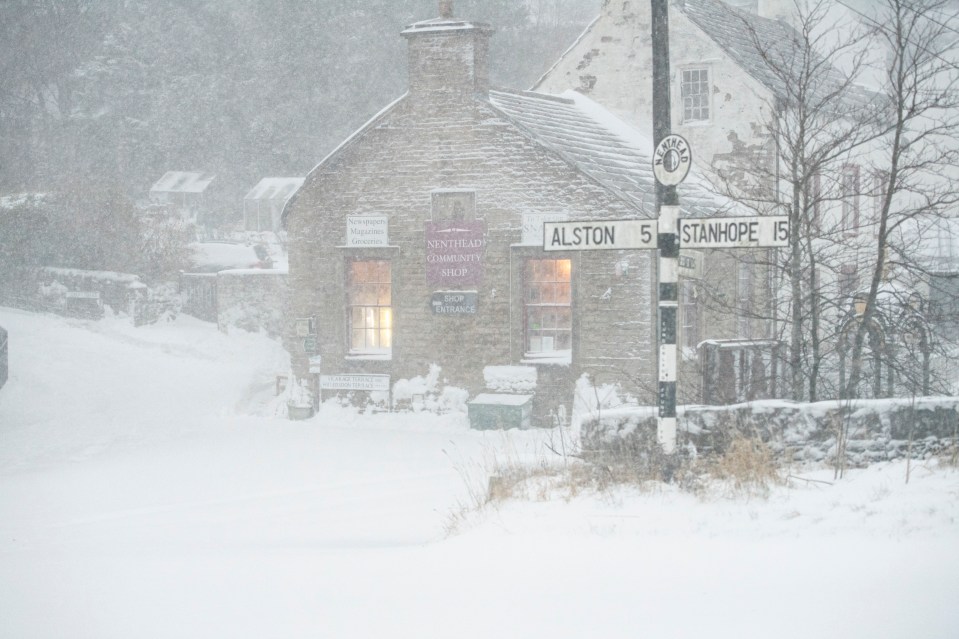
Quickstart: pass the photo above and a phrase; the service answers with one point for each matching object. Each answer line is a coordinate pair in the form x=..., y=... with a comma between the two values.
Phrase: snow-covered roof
x=182, y=182
x=759, y=45
x=598, y=144
x=587, y=136
x=16, y=200
x=275, y=188
x=102, y=276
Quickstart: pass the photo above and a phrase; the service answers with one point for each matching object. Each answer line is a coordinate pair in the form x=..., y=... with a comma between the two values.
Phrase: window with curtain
x=370, y=306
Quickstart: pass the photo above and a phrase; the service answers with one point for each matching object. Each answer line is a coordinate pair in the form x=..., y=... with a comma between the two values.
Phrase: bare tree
x=920, y=154
x=819, y=117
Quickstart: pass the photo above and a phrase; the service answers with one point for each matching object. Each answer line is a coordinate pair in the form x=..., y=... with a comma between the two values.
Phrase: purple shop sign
x=455, y=252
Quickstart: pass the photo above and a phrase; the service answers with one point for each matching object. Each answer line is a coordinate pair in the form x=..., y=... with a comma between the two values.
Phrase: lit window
x=695, y=92
x=549, y=319
x=370, y=310
x=850, y=198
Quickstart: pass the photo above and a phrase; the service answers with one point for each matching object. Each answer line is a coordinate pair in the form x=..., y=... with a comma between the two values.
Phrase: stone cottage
x=419, y=241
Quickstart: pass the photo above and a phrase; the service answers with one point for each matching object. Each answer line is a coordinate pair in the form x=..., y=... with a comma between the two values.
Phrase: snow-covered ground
x=147, y=490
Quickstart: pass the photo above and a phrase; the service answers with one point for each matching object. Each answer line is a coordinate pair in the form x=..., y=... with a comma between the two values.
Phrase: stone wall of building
x=393, y=169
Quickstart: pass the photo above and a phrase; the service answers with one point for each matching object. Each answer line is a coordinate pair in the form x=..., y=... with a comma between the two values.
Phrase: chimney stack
x=448, y=58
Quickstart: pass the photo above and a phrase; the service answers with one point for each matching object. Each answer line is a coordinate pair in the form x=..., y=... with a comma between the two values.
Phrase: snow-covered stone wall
x=869, y=430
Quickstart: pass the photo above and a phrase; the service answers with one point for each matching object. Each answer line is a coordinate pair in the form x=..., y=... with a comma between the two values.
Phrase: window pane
x=548, y=312
x=695, y=94
x=370, y=314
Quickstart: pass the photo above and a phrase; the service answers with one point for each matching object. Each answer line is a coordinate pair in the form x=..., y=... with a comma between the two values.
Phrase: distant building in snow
x=185, y=192
x=4, y=357
x=263, y=204
x=420, y=239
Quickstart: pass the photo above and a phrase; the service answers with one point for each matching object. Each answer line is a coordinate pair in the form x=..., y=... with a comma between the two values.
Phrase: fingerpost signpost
x=672, y=160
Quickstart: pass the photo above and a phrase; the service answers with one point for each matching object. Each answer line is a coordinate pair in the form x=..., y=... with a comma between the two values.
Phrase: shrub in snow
x=53, y=295
x=591, y=401
x=424, y=393
x=298, y=393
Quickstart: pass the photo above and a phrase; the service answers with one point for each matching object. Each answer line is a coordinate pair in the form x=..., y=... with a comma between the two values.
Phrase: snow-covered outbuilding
x=263, y=204
x=184, y=191
x=420, y=239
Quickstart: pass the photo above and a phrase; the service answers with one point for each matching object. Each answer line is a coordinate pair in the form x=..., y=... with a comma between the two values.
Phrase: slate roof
x=598, y=144
x=760, y=45
x=589, y=138
x=182, y=182
x=274, y=188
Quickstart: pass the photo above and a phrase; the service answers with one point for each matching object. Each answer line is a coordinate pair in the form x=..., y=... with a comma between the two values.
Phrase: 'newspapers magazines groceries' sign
x=719, y=232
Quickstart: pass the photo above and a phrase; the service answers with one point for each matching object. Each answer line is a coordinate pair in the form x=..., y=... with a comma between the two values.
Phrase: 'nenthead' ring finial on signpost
x=671, y=160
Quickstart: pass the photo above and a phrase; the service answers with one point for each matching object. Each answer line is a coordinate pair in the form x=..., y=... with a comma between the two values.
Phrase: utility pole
x=667, y=209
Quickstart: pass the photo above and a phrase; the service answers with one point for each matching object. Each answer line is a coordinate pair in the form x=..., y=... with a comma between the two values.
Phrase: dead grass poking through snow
x=746, y=469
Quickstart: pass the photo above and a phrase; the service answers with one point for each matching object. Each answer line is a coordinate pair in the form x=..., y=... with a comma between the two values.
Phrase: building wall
x=450, y=143
x=612, y=64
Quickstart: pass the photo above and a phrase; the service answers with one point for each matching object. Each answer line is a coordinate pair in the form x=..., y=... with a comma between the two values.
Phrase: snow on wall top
x=443, y=24
x=182, y=182
x=275, y=188
x=598, y=144
x=217, y=256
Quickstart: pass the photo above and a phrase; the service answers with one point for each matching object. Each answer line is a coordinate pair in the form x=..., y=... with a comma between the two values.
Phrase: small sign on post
x=671, y=160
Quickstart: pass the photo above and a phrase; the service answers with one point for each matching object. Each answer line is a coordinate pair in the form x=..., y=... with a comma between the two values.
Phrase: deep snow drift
x=147, y=490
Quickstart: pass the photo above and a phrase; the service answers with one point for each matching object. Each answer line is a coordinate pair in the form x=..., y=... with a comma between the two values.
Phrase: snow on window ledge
x=377, y=355
x=558, y=358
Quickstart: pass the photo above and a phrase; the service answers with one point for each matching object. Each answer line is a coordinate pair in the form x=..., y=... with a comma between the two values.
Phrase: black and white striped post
x=671, y=162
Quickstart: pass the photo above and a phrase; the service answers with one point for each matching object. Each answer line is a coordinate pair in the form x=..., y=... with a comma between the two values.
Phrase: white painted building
x=724, y=98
